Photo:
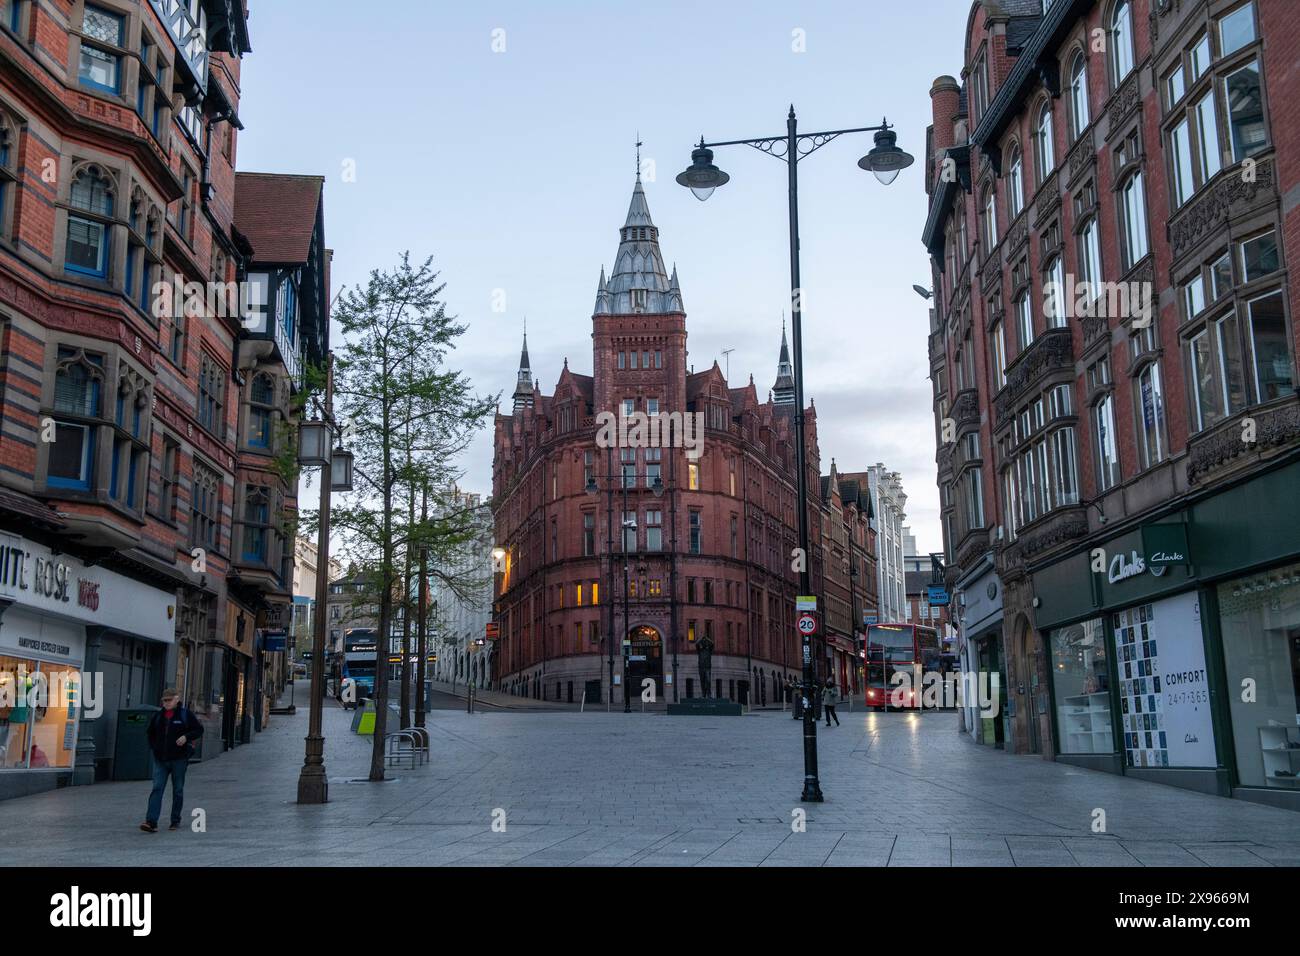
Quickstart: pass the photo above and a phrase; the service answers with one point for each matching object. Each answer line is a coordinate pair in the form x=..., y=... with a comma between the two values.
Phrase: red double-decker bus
x=892, y=649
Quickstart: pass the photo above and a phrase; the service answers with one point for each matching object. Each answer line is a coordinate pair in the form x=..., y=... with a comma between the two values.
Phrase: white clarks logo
x=76, y=909
x=1121, y=569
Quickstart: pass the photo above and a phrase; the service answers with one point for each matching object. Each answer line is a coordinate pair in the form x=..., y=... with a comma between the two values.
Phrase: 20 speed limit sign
x=807, y=625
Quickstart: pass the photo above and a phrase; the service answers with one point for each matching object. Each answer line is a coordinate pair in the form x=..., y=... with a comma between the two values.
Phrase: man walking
x=171, y=734
x=829, y=699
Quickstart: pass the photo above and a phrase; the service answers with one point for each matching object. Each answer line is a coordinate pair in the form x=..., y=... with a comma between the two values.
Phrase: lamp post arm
x=778, y=146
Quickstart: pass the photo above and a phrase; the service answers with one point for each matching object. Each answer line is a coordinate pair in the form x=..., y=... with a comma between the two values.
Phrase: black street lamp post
x=626, y=524
x=885, y=160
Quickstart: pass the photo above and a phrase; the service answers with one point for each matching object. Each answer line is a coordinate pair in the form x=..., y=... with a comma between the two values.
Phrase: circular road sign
x=807, y=624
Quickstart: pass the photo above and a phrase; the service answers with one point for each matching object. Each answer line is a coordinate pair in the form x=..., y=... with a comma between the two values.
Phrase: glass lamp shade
x=313, y=444
x=341, y=470
x=885, y=158
x=702, y=177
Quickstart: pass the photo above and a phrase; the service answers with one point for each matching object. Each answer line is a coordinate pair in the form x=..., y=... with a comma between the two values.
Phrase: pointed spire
x=638, y=210
x=602, y=295
x=673, y=302
x=784, y=387
x=524, y=390
x=638, y=282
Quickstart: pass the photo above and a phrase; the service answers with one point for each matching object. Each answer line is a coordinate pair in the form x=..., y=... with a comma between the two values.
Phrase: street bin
x=131, y=754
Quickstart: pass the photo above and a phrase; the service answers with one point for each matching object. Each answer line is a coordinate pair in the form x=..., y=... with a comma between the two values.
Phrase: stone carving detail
x=1068, y=527
x=1219, y=448
x=1081, y=154
x=992, y=272
x=1052, y=351
x=966, y=408
x=1049, y=197
x=1018, y=235
x=943, y=458
x=1124, y=101
x=971, y=553
x=1218, y=203
x=1093, y=326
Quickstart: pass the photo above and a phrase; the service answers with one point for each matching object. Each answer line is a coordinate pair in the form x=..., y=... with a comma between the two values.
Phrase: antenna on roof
x=726, y=355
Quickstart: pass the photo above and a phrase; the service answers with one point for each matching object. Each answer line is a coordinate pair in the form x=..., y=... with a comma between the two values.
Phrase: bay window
x=1244, y=101
x=78, y=391
x=261, y=407
x=100, y=65
x=1266, y=316
x=89, y=222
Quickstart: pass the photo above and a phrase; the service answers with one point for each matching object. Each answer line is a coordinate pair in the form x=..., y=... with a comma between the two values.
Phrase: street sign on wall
x=937, y=596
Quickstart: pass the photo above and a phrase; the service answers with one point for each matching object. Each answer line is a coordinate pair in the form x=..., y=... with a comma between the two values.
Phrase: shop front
x=1174, y=647
x=59, y=691
x=978, y=599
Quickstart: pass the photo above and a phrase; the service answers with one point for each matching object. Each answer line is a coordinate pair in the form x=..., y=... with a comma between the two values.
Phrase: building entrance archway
x=645, y=659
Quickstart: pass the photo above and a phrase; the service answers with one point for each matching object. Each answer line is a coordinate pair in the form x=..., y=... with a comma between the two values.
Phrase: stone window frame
x=1110, y=15
x=1234, y=302
x=1077, y=52
x=1043, y=105
x=11, y=134
x=114, y=372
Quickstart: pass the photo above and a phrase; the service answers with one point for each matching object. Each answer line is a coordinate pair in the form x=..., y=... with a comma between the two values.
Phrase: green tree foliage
x=407, y=417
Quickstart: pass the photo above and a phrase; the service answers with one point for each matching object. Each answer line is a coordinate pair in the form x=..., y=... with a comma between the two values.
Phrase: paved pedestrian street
x=617, y=789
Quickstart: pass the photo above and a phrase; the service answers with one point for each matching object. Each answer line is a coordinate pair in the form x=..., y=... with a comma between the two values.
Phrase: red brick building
x=709, y=538
x=140, y=501
x=1113, y=350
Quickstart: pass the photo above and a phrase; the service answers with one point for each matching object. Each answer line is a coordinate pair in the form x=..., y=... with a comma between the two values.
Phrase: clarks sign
x=1164, y=545
x=1121, y=569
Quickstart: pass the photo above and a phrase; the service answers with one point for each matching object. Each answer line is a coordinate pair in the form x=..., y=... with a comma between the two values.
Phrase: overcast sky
x=514, y=170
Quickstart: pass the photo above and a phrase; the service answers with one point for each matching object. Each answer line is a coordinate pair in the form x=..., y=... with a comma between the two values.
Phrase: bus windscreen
x=891, y=643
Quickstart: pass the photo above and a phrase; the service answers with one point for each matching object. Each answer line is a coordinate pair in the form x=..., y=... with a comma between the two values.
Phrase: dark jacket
x=162, y=734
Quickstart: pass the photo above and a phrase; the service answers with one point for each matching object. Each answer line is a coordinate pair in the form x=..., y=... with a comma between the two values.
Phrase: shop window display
x=38, y=715
x=1081, y=681
x=1164, y=693
x=1259, y=618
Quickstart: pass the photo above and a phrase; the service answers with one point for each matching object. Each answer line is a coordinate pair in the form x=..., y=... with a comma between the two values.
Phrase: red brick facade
x=711, y=558
x=1053, y=435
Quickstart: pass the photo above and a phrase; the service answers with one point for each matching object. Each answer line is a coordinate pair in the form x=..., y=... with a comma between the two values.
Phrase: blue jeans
x=161, y=770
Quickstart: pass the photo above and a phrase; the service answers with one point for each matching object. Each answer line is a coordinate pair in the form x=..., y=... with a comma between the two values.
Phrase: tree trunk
x=405, y=704
x=383, y=644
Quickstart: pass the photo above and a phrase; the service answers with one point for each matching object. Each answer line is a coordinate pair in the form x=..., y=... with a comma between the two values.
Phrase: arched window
x=1121, y=43
x=261, y=403
x=1015, y=181
x=1079, y=117
x=1044, y=146
x=86, y=250
x=78, y=390
x=990, y=223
